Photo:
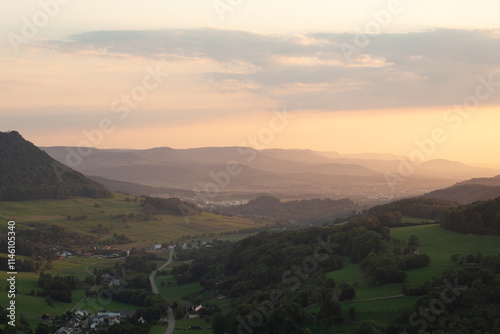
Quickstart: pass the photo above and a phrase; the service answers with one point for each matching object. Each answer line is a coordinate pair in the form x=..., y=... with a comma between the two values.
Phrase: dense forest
x=285, y=272
x=58, y=287
x=427, y=208
x=27, y=173
x=314, y=210
x=466, y=301
x=477, y=218
x=56, y=235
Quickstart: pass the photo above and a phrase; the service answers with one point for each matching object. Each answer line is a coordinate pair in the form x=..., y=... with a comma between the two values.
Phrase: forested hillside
x=315, y=210
x=427, y=208
x=476, y=218
x=463, y=301
x=466, y=193
x=285, y=273
x=26, y=172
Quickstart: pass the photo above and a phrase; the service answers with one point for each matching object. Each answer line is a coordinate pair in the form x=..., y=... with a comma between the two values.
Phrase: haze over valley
x=250, y=167
x=285, y=173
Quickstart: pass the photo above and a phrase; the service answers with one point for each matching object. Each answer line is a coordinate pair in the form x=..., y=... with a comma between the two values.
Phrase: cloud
x=428, y=68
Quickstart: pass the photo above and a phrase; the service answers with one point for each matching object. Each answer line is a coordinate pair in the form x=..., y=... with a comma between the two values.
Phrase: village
x=82, y=322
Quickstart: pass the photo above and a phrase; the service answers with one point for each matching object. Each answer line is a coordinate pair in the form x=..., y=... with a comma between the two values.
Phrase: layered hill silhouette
x=466, y=192
x=362, y=177
x=27, y=173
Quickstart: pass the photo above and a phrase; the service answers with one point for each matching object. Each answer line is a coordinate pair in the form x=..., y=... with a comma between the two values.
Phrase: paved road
x=89, y=272
x=78, y=304
x=171, y=321
x=92, y=288
x=154, y=288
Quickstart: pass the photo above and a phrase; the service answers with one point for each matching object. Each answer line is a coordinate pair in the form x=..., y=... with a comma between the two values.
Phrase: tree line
x=312, y=211
x=28, y=173
x=478, y=218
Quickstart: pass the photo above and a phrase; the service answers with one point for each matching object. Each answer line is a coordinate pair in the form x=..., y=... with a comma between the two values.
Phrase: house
x=107, y=278
x=126, y=314
x=102, y=314
x=63, y=330
x=194, y=315
x=193, y=312
x=81, y=314
x=97, y=323
x=46, y=316
x=141, y=320
x=64, y=254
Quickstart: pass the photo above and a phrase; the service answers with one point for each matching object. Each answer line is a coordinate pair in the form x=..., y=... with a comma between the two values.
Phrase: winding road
x=154, y=289
x=92, y=288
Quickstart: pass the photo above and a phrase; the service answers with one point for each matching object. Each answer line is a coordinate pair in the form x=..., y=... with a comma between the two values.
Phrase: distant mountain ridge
x=136, y=189
x=466, y=192
x=360, y=177
x=27, y=173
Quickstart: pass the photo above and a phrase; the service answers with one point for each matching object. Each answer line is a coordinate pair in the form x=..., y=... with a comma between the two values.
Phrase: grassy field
x=157, y=329
x=32, y=307
x=173, y=292
x=440, y=244
x=93, y=304
x=373, y=302
x=181, y=325
x=98, y=211
x=77, y=265
x=381, y=304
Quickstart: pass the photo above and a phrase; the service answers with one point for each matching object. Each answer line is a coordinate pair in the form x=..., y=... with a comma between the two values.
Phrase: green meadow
x=29, y=214
x=157, y=329
x=32, y=307
x=384, y=303
x=94, y=304
x=182, y=325
x=43, y=213
x=171, y=291
x=441, y=244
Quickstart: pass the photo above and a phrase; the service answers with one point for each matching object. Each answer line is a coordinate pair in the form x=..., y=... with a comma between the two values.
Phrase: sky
x=398, y=76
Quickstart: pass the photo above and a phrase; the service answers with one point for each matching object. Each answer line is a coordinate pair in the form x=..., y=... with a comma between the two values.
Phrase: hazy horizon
x=378, y=76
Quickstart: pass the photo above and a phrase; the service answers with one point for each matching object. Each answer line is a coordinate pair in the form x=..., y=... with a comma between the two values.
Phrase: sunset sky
x=352, y=77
